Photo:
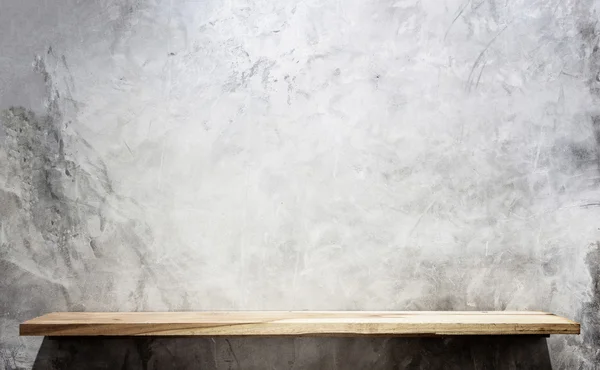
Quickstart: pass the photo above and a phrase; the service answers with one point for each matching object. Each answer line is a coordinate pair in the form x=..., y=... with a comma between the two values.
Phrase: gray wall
x=241, y=154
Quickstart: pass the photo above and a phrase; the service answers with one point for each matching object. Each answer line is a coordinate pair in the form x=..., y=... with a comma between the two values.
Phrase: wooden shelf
x=298, y=323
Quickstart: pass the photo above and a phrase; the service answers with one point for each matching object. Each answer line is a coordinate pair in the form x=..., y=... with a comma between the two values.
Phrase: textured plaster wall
x=385, y=154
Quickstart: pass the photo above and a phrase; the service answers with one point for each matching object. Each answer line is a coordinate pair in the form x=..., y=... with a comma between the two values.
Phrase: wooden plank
x=298, y=323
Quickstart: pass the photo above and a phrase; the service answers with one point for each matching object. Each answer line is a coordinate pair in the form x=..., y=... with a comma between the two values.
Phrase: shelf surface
x=298, y=323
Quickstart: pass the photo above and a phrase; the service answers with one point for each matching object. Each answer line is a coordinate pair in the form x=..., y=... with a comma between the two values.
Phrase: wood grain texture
x=298, y=323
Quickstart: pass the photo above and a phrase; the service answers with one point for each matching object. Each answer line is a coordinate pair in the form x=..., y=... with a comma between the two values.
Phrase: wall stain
x=46, y=201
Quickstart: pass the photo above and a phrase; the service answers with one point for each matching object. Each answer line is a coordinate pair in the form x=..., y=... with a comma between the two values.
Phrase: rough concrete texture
x=239, y=154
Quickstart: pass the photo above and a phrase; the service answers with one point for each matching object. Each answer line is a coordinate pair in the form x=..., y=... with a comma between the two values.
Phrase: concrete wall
x=240, y=154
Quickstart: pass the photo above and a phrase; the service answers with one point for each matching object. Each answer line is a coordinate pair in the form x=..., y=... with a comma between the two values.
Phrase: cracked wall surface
x=389, y=155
